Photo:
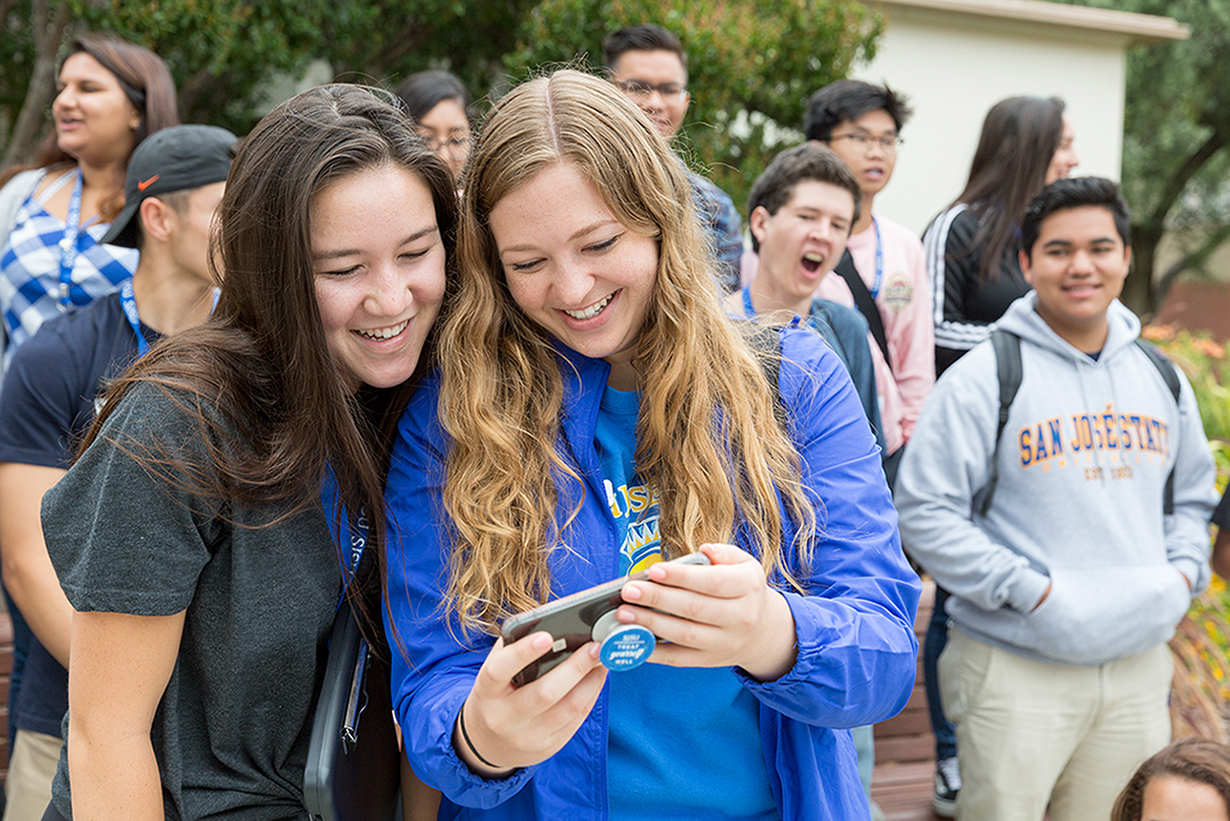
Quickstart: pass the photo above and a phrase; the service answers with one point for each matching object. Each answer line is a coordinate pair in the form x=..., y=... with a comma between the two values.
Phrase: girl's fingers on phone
x=545, y=692
x=505, y=661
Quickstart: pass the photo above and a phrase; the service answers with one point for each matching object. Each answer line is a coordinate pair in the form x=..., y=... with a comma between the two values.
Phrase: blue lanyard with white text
x=351, y=534
x=879, y=280
x=129, y=303
x=358, y=532
x=68, y=245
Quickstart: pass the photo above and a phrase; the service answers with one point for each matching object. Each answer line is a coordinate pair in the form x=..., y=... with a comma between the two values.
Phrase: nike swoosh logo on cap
x=141, y=186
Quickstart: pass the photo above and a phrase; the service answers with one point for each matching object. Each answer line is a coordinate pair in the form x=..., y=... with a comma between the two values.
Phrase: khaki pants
x=27, y=788
x=1031, y=733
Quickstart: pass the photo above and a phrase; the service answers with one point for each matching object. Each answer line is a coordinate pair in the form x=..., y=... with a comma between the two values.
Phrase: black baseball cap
x=172, y=159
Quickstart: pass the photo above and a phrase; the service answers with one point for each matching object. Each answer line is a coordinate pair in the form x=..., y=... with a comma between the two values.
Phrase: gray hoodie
x=1082, y=465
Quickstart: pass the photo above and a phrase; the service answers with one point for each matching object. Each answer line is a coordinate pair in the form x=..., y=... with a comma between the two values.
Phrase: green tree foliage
x=747, y=63
x=386, y=40
x=224, y=53
x=221, y=53
x=1177, y=131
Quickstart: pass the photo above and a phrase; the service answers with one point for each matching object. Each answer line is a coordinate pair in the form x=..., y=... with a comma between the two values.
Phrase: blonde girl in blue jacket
x=597, y=413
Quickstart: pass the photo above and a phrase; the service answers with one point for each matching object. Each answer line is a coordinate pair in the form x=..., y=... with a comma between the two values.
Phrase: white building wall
x=955, y=67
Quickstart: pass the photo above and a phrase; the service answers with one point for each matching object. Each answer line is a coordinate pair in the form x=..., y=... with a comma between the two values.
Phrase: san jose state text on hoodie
x=1082, y=466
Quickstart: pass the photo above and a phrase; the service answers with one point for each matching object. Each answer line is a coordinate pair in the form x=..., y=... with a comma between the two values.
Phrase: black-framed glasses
x=453, y=145
x=863, y=142
x=639, y=89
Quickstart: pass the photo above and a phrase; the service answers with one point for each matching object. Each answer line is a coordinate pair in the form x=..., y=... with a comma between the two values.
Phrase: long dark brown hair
x=258, y=378
x=1019, y=138
x=146, y=82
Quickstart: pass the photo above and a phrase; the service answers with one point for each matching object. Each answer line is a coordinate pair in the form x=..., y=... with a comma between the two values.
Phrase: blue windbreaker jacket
x=856, y=644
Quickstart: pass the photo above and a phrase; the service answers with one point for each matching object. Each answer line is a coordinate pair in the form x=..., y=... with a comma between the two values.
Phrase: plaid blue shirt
x=30, y=271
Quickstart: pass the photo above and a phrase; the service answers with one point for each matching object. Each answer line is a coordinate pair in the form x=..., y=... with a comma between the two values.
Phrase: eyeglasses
x=863, y=142
x=640, y=90
x=453, y=145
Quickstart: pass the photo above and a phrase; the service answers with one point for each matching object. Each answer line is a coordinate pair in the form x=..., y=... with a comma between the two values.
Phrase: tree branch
x=1195, y=259
x=41, y=90
x=1178, y=181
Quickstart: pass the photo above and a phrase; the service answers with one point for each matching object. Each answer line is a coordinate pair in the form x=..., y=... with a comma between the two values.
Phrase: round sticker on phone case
x=626, y=647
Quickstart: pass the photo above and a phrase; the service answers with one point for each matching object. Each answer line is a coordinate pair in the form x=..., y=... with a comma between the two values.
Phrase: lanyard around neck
x=749, y=310
x=879, y=280
x=68, y=245
x=129, y=303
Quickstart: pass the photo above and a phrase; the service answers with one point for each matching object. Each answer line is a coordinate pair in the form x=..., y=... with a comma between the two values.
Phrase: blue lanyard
x=749, y=310
x=129, y=302
x=68, y=245
x=879, y=280
x=359, y=528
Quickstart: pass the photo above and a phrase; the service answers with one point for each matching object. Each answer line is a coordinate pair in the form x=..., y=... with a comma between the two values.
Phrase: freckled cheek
x=527, y=298
x=334, y=305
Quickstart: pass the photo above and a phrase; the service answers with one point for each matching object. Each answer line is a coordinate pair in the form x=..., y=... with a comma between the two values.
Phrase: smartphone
x=574, y=620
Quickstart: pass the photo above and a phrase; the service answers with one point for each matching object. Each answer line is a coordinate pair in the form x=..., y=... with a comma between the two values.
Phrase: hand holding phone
x=508, y=726
x=721, y=616
x=589, y=615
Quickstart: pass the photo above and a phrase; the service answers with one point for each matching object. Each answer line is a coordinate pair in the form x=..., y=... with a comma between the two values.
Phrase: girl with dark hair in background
x=971, y=247
x=438, y=103
x=971, y=254
x=599, y=413
x=112, y=94
x=218, y=511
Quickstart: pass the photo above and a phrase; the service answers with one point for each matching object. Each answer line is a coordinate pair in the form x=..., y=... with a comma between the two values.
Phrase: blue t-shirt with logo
x=675, y=733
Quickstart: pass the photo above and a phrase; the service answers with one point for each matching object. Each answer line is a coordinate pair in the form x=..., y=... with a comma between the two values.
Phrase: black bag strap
x=1171, y=377
x=865, y=302
x=1008, y=368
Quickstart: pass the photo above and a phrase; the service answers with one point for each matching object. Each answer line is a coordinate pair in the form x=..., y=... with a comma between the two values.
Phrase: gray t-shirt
x=231, y=732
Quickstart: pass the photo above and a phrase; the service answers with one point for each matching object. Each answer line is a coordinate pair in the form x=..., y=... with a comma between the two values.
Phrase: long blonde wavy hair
x=707, y=433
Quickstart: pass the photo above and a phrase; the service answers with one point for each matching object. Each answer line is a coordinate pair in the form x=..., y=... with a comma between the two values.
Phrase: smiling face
x=379, y=265
x=860, y=144
x=1077, y=266
x=1064, y=159
x=802, y=242
x=575, y=269
x=658, y=69
x=95, y=121
x=1170, y=798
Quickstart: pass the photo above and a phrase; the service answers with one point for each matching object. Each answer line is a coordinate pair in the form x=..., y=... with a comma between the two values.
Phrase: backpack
x=1007, y=347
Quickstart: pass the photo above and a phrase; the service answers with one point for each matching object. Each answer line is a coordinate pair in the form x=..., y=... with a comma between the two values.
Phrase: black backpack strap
x=1008, y=368
x=1171, y=377
x=865, y=302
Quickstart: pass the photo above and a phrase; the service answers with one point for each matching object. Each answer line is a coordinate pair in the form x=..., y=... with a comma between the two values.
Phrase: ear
x=158, y=220
x=757, y=222
x=1023, y=258
x=135, y=122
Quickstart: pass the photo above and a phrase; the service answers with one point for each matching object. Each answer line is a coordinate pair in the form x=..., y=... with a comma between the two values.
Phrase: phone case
x=571, y=620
